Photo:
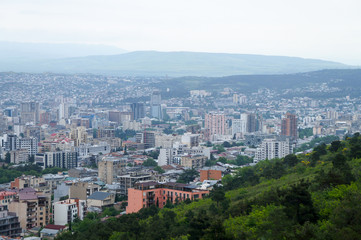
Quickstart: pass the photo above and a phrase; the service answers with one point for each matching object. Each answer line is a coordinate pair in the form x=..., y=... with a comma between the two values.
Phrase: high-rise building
x=155, y=105
x=148, y=138
x=110, y=168
x=289, y=126
x=66, y=160
x=137, y=110
x=216, y=123
x=79, y=135
x=30, y=112
x=271, y=148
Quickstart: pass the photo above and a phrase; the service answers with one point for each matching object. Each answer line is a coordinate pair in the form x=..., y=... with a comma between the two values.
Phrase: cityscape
x=202, y=120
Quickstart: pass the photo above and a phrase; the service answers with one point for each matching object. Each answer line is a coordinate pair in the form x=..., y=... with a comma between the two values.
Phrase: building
x=109, y=168
x=82, y=190
x=27, y=182
x=85, y=150
x=148, y=138
x=271, y=148
x=146, y=194
x=30, y=112
x=216, y=123
x=137, y=110
x=210, y=174
x=289, y=126
x=79, y=135
x=191, y=140
x=101, y=199
x=68, y=210
x=19, y=156
x=6, y=197
x=13, y=143
x=32, y=208
x=239, y=126
x=9, y=223
x=195, y=161
x=173, y=155
x=155, y=105
x=65, y=160
x=129, y=180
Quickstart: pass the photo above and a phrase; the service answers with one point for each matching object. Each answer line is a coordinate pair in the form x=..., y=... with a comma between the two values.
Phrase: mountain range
x=100, y=59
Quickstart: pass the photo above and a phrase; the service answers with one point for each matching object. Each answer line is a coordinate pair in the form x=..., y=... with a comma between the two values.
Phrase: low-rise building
x=101, y=199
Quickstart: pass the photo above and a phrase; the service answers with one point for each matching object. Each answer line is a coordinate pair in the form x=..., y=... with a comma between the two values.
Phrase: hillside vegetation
x=311, y=196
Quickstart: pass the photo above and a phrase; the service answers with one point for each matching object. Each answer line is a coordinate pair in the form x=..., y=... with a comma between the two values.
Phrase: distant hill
x=26, y=52
x=345, y=82
x=152, y=63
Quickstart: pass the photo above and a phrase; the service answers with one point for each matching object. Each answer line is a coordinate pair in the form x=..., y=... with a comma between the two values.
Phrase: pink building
x=216, y=123
x=146, y=194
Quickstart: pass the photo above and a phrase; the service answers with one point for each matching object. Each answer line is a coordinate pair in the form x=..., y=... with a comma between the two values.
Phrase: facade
x=191, y=140
x=101, y=199
x=129, y=180
x=216, y=123
x=9, y=223
x=84, y=150
x=146, y=194
x=155, y=105
x=65, y=160
x=137, y=110
x=196, y=161
x=109, y=168
x=82, y=190
x=79, y=135
x=173, y=155
x=68, y=210
x=271, y=148
x=13, y=143
x=239, y=126
x=30, y=112
x=19, y=156
x=210, y=174
x=289, y=126
x=32, y=208
x=148, y=138
x=27, y=182
x=6, y=197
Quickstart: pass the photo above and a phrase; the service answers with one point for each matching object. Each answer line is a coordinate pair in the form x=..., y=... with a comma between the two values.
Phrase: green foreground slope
x=312, y=196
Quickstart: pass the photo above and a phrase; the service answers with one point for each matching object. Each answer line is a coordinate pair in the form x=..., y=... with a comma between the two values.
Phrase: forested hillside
x=312, y=196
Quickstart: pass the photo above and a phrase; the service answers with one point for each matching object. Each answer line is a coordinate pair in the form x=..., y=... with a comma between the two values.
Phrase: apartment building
x=146, y=194
x=9, y=223
x=68, y=210
x=32, y=208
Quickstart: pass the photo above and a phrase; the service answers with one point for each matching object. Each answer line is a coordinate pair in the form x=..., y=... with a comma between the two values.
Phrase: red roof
x=55, y=227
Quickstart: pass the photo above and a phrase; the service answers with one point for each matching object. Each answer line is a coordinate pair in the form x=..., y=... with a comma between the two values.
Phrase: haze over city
x=327, y=30
x=180, y=120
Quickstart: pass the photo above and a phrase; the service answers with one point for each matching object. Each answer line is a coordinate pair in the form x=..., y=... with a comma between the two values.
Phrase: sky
x=322, y=29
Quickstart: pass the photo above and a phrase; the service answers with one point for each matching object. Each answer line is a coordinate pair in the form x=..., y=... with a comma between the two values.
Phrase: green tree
x=150, y=163
x=7, y=157
x=188, y=175
x=159, y=169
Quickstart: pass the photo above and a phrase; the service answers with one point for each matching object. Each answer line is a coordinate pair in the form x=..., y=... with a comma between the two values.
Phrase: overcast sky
x=324, y=29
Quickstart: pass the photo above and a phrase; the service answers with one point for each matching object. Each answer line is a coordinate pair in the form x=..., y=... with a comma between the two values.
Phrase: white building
x=191, y=140
x=84, y=150
x=66, y=160
x=67, y=211
x=271, y=148
x=173, y=155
